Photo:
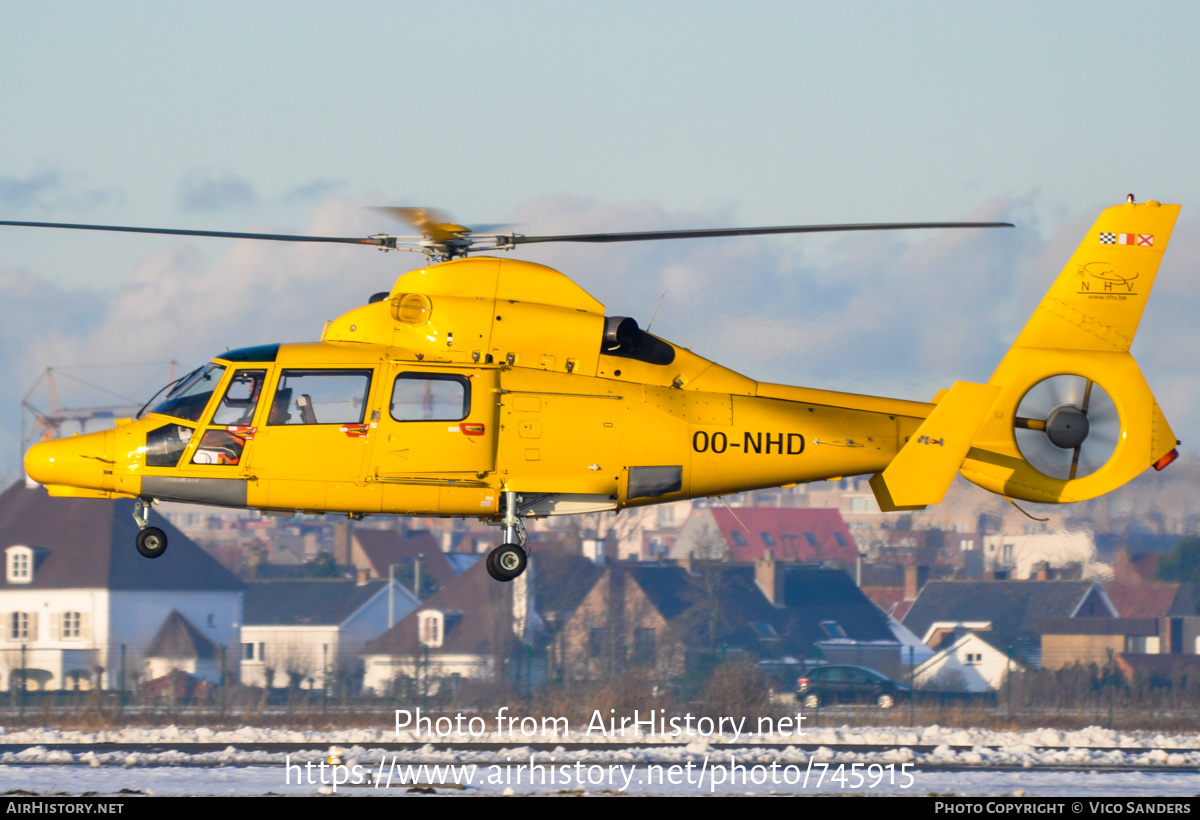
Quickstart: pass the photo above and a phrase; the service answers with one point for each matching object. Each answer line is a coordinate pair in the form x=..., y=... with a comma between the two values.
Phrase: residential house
x=375, y=552
x=965, y=661
x=79, y=605
x=1067, y=641
x=1006, y=610
x=180, y=647
x=469, y=629
x=305, y=634
x=663, y=616
x=750, y=533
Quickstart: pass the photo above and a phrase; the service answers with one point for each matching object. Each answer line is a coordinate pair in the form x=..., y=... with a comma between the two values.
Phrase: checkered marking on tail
x=1144, y=240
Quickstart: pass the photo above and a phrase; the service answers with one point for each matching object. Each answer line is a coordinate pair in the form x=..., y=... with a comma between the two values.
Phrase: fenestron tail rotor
x=1067, y=427
x=442, y=239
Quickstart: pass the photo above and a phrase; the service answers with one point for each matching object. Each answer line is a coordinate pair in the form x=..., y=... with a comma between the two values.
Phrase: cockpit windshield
x=187, y=397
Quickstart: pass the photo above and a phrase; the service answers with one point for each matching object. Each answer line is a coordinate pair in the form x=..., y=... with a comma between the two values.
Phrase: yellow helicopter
x=499, y=389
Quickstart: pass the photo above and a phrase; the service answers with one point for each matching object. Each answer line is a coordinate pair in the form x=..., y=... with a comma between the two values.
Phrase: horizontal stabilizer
x=921, y=472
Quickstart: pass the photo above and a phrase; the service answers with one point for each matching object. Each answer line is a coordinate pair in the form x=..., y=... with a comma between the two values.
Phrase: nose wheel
x=507, y=561
x=151, y=541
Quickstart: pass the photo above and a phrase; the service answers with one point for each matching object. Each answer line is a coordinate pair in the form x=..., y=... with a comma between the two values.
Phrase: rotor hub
x=1067, y=427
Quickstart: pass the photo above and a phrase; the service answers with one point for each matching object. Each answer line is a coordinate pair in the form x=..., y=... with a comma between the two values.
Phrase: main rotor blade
x=641, y=236
x=278, y=237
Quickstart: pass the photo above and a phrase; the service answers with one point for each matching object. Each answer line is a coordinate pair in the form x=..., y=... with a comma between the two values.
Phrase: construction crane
x=42, y=425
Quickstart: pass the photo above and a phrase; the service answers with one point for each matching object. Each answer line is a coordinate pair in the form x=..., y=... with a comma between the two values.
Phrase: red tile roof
x=1144, y=600
x=794, y=534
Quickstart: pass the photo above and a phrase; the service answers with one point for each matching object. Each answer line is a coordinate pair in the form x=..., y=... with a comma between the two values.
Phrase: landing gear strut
x=151, y=541
x=509, y=560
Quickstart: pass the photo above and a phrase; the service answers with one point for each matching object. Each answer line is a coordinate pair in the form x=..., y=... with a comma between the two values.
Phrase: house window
x=974, y=658
x=841, y=539
x=212, y=620
x=767, y=539
x=596, y=642
x=430, y=628
x=966, y=544
x=1006, y=554
x=248, y=651
x=811, y=538
x=71, y=622
x=739, y=539
x=18, y=626
x=20, y=565
x=644, y=647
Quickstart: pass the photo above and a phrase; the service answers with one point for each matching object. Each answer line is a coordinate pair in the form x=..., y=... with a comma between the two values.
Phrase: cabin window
x=320, y=397
x=219, y=447
x=431, y=397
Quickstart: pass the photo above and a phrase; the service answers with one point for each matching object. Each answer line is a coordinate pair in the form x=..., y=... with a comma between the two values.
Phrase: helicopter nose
x=79, y=461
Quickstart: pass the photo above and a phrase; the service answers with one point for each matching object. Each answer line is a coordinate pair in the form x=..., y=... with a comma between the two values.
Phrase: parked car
x=822, y=685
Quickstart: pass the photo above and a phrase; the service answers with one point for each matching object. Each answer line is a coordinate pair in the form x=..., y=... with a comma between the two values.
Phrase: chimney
x=364, y=575
x=1041, y=571
x=768, y=574
x=914, y=579
x=341, y=542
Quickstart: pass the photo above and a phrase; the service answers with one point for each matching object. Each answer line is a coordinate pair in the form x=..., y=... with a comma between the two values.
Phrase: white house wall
x=381, y=670
x=45, y=652
x=301, y=650
x=986, y=675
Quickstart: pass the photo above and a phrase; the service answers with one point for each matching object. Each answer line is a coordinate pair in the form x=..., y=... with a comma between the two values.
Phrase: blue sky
x=604, y=116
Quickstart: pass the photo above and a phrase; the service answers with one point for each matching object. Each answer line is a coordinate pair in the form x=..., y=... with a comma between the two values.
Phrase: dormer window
x=19, y=564
x=430, y=625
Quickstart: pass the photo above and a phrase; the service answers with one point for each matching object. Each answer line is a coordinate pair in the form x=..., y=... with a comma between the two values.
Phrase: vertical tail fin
x=1074, y=417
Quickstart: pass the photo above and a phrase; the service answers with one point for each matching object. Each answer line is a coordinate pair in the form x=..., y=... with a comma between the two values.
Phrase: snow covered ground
x=262, y=780
x=933, y=759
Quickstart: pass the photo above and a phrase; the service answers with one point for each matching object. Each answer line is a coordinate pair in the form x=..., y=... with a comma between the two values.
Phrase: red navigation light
x=1167, y=459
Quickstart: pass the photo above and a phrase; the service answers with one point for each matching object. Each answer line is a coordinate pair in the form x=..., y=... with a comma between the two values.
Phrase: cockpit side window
x=320, y=397
x=164, y=445
x=188, y=400
x=241, y=398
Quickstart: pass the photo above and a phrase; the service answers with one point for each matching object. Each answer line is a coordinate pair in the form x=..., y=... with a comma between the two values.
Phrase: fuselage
x=471, y=379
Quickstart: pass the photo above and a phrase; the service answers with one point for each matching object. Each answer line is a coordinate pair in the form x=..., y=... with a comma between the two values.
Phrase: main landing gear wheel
x=506, y=562
x=151, y=542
